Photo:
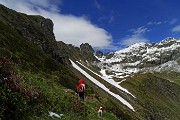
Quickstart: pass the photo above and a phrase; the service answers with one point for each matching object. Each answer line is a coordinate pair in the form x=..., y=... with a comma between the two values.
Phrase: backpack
x=81, y=88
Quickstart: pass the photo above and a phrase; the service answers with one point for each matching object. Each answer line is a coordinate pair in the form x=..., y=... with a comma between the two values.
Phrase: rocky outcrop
x=109, y=55
x=84, y=53
x=87, y=52
x=99, y=54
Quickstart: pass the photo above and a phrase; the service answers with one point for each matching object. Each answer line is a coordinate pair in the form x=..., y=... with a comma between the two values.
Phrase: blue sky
x=108, y=25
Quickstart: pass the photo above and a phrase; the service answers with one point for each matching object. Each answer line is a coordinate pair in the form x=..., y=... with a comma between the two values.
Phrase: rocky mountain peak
x=86, y=47
x=45, y=24
x=99, y=54
x=145, y=57
x=87, y=52
x=169, y=39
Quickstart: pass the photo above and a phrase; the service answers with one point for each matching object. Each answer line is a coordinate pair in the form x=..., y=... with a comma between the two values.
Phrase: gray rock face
x=109, y=55
x=86, y=48
x=87, y=52
x=99, y=54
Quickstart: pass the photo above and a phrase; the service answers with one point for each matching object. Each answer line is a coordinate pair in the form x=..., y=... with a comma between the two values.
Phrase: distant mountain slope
x=156, y=98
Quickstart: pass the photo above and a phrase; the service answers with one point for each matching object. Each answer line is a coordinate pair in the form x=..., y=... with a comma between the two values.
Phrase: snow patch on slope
x=112, y=82
x=109, y=79
x=102, y=86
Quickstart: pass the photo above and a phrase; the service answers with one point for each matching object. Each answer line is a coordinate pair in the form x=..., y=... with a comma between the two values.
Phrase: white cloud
x=173, y=21
x=68, y=28
x=136, y=37
x=176, y=29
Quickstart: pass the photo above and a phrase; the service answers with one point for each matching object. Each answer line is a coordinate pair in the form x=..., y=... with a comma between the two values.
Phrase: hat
x=81, y=81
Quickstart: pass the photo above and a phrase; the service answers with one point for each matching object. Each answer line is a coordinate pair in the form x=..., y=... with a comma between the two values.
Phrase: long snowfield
x=102, y=86
x=109, y=80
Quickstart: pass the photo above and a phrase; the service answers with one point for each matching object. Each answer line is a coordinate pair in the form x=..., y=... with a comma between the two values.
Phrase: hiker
x=99, y=112
x=81, y=89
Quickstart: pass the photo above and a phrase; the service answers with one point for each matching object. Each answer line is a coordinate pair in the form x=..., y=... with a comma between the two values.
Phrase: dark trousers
x=81, y=95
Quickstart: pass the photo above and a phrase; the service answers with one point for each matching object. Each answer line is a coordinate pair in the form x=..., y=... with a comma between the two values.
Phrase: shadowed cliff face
x=84, y=53
x=87, y=52
x=37, y=29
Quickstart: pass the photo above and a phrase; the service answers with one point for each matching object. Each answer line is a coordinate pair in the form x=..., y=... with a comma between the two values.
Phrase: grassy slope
x=171, y=76
x=40, y=83
x=157, y=98
x=37, y=94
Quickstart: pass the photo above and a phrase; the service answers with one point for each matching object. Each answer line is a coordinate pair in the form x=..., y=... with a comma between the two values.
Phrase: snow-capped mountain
x=143, y=57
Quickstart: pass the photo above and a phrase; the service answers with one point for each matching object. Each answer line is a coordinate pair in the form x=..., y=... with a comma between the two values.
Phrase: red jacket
x=81, y=86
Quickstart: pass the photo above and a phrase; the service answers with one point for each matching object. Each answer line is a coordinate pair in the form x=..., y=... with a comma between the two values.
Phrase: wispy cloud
x=111, y=19
x=154, y=23
x=140, y=30
x=97, y=5
x=136, y=37
x=173, y=21
x=176, y=29
x=68, y=28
